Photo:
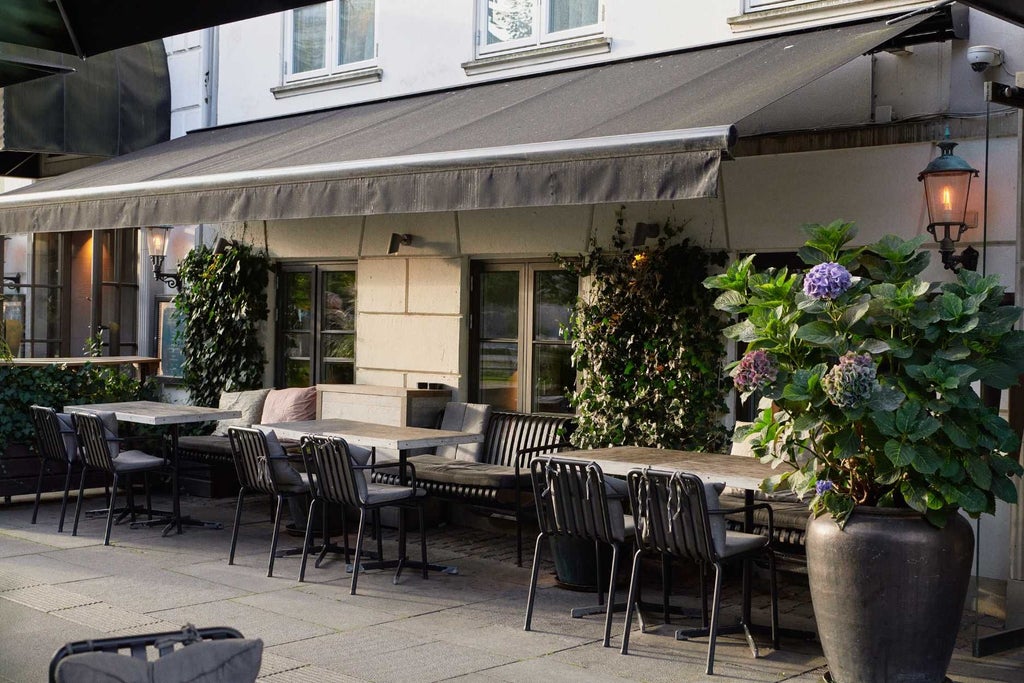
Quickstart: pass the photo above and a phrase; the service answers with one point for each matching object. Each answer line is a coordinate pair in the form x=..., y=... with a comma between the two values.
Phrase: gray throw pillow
x=465, y=417
x=233, y=660
x=711, y=491
x=284, y=476
x=249, y=402
x=68, y=436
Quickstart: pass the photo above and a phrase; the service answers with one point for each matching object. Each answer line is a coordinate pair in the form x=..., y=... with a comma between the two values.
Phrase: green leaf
x=1004, y=490
x=818, y=332
x=899, y=454
x=979, y=472
x=950, y=306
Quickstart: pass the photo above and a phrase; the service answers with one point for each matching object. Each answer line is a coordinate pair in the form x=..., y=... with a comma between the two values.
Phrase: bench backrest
x=509, y=432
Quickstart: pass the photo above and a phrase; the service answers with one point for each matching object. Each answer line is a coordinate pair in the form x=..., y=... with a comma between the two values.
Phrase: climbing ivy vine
x=648, y=347
x=221, y=306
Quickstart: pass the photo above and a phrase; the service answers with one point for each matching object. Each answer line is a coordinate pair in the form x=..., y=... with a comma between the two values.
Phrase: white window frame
x=540, y=36
x=330, y=49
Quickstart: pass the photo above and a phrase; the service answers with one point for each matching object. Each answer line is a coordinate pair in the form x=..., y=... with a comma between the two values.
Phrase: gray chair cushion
x=440, y=469
x=249, y=402
x=286, y=478
x=622, y=525
x=109, y=420
x=387, y=493
x=134, y=461
x=737, y=542
x=464, y=417
x=233, y=660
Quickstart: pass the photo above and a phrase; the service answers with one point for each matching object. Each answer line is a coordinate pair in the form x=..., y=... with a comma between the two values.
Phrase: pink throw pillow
x=289, y=405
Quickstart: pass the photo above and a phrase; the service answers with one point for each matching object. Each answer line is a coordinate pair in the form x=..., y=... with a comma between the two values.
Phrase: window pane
x=553, y=376
x=554, y=296
x=499, y=305
x=566, y=14
x=309, y=38
x=355, y=30
x=499, y=374
x=509, y=20
x=339, y=300
x=338, y=346
x=296, y=373
x=339, y=373
x=297, y=304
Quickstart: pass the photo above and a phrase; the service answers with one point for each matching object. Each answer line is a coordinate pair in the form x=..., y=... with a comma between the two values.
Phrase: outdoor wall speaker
x=398, y=240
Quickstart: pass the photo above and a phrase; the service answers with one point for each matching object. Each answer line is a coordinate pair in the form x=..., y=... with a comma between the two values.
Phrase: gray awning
x=1010, y=10
x=646, y=129
x=112, y=104
x=19, y=64
x=89, y=27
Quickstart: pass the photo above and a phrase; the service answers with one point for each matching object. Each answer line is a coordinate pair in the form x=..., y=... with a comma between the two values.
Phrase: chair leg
x=519, y=534
x=703, y=592
x=377, y=532
x=423, y=540
x=149, y=495
x=129, y=495
x=666, y=587
x=716, y=603
x=401, y=544
x=273, y=537
x=307, y=540
x=359, y=551
x=234, y=529
x=110, y=510
x=611, y=595
x=78, y=501
x=634, y=582
x=39, y=489
x=64, y=500
x=531, y=594
x=344, y=530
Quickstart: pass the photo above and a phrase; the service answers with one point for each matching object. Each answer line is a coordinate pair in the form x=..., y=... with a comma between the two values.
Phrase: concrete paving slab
x=28, y=639
x=154, y=590
x=272, y=628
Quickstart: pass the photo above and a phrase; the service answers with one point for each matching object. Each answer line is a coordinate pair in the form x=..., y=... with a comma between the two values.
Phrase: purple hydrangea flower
x=850, y=383
x=756, y=369
x=826, y=281
x=823, y=486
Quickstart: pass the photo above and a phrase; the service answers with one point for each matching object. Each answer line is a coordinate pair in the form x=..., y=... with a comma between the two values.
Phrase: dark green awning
x=113, y=104
x=1010, y=10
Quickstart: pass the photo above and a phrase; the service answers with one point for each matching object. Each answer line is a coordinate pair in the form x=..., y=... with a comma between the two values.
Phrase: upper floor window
x=512, y=24
x=329, y=37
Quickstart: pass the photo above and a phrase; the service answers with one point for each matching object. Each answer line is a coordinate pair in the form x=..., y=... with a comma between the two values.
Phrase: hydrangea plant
x=869, y=377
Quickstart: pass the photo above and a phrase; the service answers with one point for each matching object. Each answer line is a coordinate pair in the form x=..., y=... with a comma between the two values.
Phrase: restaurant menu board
x=169, y=343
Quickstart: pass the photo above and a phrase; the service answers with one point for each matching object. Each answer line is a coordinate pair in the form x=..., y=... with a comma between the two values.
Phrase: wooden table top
x=734, y=470
x=156, y=413
x=373, y=435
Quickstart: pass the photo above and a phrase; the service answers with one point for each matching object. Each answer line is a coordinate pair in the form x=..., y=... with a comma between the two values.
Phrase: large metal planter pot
x=888, y=592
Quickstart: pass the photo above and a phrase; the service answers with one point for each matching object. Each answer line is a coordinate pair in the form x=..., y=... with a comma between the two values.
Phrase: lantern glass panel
x=946, y=194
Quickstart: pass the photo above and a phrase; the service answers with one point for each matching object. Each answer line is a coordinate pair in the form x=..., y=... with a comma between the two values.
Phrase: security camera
x=981, y=57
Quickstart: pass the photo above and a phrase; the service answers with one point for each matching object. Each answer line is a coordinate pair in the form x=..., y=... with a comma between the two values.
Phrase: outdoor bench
x=500, y=479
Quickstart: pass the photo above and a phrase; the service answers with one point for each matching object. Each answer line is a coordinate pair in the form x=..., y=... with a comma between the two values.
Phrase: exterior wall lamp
x=947, y=184
x=156, y=240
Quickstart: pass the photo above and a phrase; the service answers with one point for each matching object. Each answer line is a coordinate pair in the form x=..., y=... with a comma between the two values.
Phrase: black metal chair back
x=49, y=440
x=97, y=448
x=571, y=499
x=671, y=514
x=251, y=456
x=329, y=464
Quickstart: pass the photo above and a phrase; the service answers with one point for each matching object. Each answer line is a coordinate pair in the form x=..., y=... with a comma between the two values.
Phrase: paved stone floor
x=56, y=588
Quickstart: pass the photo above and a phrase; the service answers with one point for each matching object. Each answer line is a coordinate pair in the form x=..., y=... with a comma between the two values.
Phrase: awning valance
x=654, y=128
x=1010, y=10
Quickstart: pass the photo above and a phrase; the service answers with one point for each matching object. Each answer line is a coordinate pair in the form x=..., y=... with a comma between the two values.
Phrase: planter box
x=19, y=471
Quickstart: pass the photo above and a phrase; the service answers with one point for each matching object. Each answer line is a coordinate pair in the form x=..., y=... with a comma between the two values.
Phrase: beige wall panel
x=381, y=285
x=310, y=238
x=409, y=343
x=702, y=220
x=436, y=285
x=381, y=378
x=525, y=232
x=433, y=234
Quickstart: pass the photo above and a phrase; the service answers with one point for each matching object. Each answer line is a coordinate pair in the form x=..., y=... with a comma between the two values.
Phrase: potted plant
x=870, y=373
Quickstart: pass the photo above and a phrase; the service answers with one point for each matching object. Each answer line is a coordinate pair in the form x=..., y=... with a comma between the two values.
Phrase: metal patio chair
x=673, y=520
x=574, y=500
x=56, y=443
